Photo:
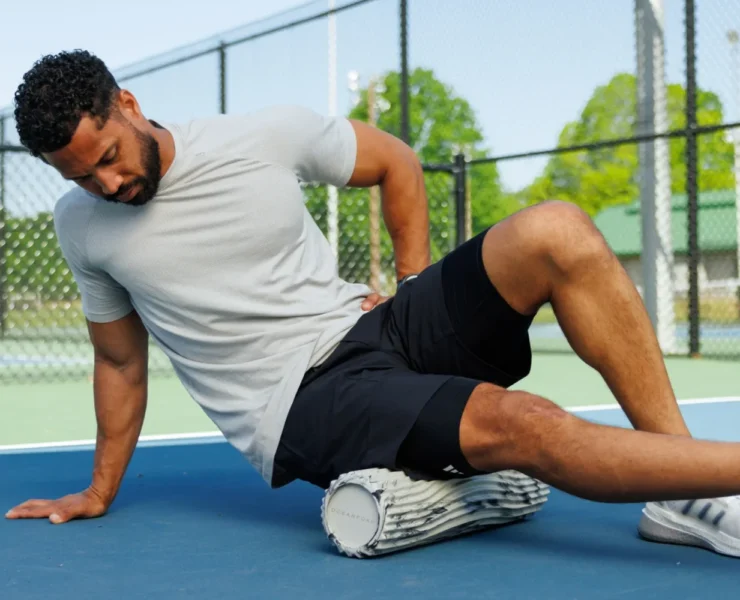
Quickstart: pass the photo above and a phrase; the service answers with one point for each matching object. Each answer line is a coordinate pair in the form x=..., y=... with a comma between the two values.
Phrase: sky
x=527, y=67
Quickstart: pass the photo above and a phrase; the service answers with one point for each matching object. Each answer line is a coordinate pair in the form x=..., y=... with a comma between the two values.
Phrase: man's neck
x=166, y=146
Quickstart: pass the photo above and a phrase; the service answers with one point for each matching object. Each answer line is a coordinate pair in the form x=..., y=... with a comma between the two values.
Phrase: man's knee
x=570, y=238
x=538, y=248
x=502, y=429
x=560, y=235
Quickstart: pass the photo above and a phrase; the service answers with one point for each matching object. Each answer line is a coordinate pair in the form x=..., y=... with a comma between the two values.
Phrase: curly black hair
x=56, y=93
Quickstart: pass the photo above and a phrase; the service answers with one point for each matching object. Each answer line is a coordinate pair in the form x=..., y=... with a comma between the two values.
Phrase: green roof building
x=718, y=238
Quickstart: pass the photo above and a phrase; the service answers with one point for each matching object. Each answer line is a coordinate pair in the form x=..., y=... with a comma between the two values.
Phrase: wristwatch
x=405, y=279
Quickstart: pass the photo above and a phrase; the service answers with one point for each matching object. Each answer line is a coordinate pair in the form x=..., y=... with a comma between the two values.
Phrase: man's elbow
x=133, y=371
x=411, y=157
x=404, y=164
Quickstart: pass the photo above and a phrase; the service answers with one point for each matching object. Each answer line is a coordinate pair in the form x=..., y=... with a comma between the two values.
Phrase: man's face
x=117, y=162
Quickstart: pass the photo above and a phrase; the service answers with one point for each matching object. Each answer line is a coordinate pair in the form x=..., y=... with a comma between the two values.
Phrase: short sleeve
x=317, y=148
x=103, y=299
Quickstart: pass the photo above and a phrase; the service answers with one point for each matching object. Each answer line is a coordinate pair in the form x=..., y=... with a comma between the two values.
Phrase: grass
x=53, y=315
x=36, y=315
x=724, y=311
x=712, y=310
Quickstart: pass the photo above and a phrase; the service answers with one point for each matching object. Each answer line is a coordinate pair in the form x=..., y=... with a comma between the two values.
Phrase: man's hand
x=84, y=505
x=373, y=300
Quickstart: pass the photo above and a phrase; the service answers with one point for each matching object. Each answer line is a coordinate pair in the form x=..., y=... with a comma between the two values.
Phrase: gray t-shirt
x=225, y=266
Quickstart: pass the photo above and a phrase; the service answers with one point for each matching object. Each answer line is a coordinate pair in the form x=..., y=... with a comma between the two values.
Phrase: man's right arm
x=120, y=395
x=120, y=391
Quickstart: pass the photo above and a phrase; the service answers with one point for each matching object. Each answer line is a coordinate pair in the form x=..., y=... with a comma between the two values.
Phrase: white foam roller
x=376, y=511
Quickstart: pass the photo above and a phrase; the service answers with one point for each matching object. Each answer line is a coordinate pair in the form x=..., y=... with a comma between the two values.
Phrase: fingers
x=67, y=508
x=373, y=300
x=370, y=301
x=57, y=511
x=62, y=516
x=31, y=509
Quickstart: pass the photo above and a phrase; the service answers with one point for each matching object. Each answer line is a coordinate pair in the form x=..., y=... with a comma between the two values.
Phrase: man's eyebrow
x=100, y=160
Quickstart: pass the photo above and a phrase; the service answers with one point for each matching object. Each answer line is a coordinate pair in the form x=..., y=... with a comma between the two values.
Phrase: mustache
x=122, y=191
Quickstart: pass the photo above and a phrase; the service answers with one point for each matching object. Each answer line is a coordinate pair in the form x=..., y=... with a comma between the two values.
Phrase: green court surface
x=43, y=413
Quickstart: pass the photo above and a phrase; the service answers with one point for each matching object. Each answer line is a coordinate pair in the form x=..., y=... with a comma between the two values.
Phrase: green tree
x=596, y=179
x=441, y=125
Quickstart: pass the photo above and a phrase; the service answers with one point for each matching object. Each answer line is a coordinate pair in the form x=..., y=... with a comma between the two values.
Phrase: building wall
x=713, y=268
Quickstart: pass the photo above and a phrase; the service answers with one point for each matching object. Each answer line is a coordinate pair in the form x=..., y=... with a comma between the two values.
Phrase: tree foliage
x=35, y=265
x=596, y=179
x=441, y=125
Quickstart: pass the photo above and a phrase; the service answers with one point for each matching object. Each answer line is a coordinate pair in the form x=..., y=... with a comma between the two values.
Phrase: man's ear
x=128, y=105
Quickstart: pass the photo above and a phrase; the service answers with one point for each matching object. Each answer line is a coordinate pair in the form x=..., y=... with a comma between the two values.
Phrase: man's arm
x=120, y=393
x=388, y=162
x=349, y=153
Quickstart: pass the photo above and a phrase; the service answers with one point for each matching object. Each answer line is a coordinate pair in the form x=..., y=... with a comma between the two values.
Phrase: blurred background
x=628, y=108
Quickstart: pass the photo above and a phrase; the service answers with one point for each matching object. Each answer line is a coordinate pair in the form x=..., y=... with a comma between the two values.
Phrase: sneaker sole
x=668, y=527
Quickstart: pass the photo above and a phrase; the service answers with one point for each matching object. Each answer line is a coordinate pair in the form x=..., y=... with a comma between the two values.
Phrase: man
x=197, y=236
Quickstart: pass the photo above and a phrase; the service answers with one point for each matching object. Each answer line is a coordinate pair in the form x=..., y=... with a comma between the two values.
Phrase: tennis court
x=633, y=121
x=194, y=520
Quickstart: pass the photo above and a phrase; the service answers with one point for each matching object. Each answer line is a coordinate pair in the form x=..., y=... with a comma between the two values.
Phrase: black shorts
x=393, y=392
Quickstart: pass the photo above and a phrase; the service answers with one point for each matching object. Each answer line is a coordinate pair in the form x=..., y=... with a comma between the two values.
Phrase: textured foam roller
x=376, y=511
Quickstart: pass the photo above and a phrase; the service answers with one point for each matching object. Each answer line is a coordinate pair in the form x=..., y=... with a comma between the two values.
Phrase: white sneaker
x=713, y=523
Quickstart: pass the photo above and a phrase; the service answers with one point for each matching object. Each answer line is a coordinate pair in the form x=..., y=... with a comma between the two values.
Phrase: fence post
x=3, y=235
x=222, y=77
x=691, y=179
x=655, y=173
x=460, y=173
x=404, y=24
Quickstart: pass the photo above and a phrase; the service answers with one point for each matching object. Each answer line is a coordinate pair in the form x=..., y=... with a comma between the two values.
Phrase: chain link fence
x=651, y=156
x=654, y=155
x=718, y=277
x=43, y=335
x=590, y=178
x=365, y=250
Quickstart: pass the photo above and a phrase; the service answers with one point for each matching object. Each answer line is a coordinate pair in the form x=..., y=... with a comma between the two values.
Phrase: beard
x=148, y=184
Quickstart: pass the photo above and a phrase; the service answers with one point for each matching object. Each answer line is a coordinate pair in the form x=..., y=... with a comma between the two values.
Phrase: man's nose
x=108, y=181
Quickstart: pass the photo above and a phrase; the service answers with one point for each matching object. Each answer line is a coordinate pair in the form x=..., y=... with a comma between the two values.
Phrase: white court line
x=207, y=437
x=687, y=402
x=145, y=440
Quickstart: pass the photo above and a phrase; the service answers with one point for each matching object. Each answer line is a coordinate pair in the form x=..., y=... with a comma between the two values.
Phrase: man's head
x=71, y=113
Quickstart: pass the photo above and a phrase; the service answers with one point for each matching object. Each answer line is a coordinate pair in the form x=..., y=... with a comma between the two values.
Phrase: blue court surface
x=195, y=521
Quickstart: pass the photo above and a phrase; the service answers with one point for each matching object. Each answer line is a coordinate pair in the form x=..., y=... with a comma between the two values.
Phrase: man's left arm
x=389, y=163
x=349, y=153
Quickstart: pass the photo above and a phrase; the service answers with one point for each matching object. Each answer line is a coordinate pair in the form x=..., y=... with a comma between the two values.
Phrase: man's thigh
x=442, y=335
x=452, y=320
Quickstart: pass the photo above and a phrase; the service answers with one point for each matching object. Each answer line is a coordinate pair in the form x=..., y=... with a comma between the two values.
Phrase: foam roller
x=376, y=511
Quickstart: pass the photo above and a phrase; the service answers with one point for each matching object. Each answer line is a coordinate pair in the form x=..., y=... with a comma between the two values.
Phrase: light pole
x=333, y=207
x=733, y=37
x=376, y=104
x=654, y=175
